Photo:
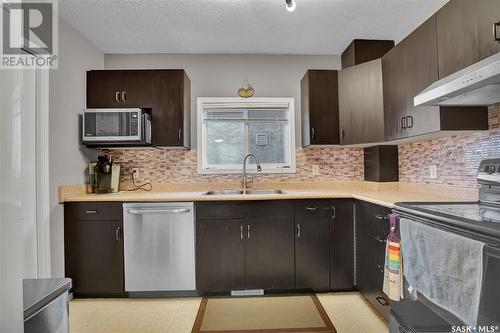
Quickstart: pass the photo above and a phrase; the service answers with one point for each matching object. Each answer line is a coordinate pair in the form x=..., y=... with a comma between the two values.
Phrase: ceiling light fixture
x=290, y=5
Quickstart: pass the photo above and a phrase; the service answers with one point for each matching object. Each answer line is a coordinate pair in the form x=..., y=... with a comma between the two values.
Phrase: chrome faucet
x=259, y=169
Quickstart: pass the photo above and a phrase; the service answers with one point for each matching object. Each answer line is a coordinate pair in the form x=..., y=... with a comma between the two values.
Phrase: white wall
x=221, y=75
x=67, y=100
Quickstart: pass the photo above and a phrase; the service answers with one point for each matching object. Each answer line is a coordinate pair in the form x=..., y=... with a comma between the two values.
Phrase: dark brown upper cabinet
x=361, y=104
x=119, y=89
x=167, y=93
x=409, y=68
x=320, y=108
x=364, y=50
x=171, y=108
x=465, y=33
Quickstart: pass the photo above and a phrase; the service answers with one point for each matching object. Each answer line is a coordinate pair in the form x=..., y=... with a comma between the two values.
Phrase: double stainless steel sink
x=236, y=192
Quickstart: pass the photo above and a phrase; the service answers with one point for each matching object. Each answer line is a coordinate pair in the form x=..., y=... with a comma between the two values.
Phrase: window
x=229, y=128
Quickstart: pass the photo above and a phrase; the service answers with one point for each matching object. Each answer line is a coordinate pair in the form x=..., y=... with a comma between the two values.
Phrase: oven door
x=112, y=125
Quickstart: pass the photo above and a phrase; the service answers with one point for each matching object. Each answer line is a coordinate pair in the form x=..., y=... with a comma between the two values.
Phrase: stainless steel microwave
x=115, y=126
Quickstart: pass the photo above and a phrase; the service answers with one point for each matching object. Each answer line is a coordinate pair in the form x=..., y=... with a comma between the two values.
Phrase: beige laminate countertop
x=385, y=194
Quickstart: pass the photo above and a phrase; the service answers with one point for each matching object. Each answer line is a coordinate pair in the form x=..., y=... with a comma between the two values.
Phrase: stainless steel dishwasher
x=159, y=241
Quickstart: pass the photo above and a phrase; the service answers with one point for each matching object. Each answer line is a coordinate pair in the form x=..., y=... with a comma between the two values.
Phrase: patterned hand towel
x=393, y=275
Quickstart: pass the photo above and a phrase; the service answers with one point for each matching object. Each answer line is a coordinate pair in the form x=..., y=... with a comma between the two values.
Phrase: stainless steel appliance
x=159, y=241
x=478, y=84
x=477, y=220
x=46, y=307
x=116, y=126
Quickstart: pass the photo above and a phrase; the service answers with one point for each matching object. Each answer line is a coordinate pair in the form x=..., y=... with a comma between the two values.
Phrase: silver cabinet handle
x=381, y=217
x=118, y=236
x=380, y=268
x=91, y=211
x=382, y=301
x=158, y=211
x=380, y=240
x=409, y=121
x=179, y=135
x=403, y=123
x=312, y=209
x=241, y=232
x=342, y=133
x=298, y=230
x=495, y=26
x=333, y=212
x=313, y=133
x=248, y=231
x=124, y=96
x=117, y=97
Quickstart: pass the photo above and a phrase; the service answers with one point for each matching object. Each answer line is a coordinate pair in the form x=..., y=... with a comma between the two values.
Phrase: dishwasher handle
x=158, y=211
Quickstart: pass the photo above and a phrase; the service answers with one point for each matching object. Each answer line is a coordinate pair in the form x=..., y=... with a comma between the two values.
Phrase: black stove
x=475, y=220
x=482, y=216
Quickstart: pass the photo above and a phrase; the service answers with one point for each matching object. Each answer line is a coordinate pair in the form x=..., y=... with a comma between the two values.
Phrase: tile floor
x=348, y=312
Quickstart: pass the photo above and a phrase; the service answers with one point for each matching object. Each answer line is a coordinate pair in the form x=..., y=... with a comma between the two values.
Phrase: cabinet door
x=488, y=14
x=220, y=259
x=458, y=44
x=342, y=245
x=94, y=256
x=104, y=89
x=320, y=107
x=269, y=253
x=168, y=107
x=421, y=70
x=312, y=244
x=361, y=106
x=136, y=89
x=371, y=231
x=394, y=86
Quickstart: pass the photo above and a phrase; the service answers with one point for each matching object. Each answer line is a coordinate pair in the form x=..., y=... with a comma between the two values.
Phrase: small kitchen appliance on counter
x=478, y=221
x=104, y=174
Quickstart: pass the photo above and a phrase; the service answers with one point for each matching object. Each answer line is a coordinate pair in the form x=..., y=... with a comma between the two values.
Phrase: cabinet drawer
x=92, y=211
x=244, y=209
x=312, y=208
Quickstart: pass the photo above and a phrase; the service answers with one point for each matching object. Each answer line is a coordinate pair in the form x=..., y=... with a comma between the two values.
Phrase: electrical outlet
x=315, y=170
x=135, y=172
x=433, y=171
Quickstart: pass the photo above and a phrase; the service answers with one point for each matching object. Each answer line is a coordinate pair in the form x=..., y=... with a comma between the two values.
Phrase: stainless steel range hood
x=476, y=85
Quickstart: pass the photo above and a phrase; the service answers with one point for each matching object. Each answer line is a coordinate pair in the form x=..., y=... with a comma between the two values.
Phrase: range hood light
x=290, y=5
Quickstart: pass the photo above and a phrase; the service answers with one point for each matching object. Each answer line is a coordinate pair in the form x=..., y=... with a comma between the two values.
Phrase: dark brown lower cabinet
x=312, y=244
x=221, y=247
x=372, y=229
x=93, y=245
x=244, y=245
x=275, y=245
x=342, y=245
x=269, y=253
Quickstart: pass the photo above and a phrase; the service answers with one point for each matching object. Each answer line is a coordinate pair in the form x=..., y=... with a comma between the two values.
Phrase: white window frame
x=203, y=102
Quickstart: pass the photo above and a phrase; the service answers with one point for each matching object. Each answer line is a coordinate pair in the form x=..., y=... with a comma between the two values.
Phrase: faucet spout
x=259, y=169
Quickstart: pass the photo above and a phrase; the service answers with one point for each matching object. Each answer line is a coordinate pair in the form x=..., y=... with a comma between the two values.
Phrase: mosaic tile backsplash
x=176, y=165
x=456, y=157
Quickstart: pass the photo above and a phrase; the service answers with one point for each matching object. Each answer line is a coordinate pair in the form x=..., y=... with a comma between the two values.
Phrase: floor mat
x=262, y=314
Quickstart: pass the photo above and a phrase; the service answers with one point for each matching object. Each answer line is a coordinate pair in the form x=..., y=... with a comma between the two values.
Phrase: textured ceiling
x=321, y=27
